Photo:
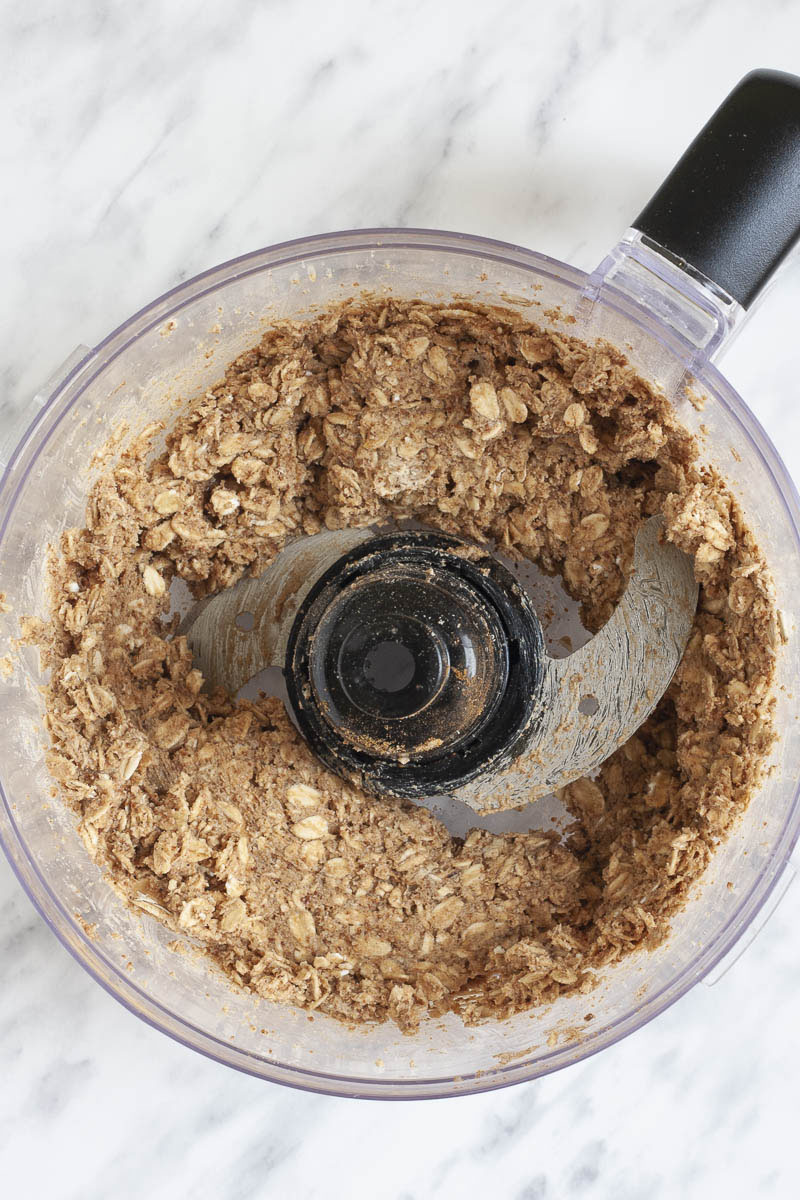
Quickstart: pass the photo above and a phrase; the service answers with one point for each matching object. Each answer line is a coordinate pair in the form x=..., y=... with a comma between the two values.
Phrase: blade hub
x=414, y=662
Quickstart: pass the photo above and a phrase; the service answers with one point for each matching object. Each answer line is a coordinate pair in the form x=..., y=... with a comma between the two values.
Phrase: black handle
x=730, y=208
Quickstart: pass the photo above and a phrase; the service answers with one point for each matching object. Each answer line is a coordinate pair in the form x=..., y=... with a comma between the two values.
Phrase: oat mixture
x=213, y=816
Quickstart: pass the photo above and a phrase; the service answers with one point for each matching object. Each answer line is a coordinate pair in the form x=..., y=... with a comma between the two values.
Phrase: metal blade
x=589, y=704
x=237, y=633
x=617, y=678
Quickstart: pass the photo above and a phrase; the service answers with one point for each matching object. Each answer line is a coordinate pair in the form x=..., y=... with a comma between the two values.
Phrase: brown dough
x=213, y=816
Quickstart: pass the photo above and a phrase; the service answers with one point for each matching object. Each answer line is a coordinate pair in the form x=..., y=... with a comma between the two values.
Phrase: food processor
x=670, y=295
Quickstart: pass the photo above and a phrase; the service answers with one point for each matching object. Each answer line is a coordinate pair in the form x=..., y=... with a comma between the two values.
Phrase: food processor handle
x=730, y=208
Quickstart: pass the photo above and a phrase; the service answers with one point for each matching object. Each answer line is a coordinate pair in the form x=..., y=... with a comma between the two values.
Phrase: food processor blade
x=415, y=663
x=596, y=698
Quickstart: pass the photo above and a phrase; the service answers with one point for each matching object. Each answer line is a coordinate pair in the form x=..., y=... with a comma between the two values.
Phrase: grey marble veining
x=143, y=143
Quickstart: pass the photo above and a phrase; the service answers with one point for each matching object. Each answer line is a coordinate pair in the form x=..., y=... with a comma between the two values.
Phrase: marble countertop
x=143, y=143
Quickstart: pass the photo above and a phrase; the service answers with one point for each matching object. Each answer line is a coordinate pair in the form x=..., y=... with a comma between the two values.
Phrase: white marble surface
x=142, y=143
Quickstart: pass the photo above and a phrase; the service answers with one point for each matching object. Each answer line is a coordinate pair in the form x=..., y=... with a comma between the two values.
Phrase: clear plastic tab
x=689, y=305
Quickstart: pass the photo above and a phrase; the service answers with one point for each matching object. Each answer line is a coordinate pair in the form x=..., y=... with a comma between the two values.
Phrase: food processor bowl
x=179, y=346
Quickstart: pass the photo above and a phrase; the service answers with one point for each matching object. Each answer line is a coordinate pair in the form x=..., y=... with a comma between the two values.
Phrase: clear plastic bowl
x=180, y=344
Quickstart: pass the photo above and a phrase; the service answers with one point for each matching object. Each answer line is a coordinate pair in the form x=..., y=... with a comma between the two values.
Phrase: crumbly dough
x=213, y=816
